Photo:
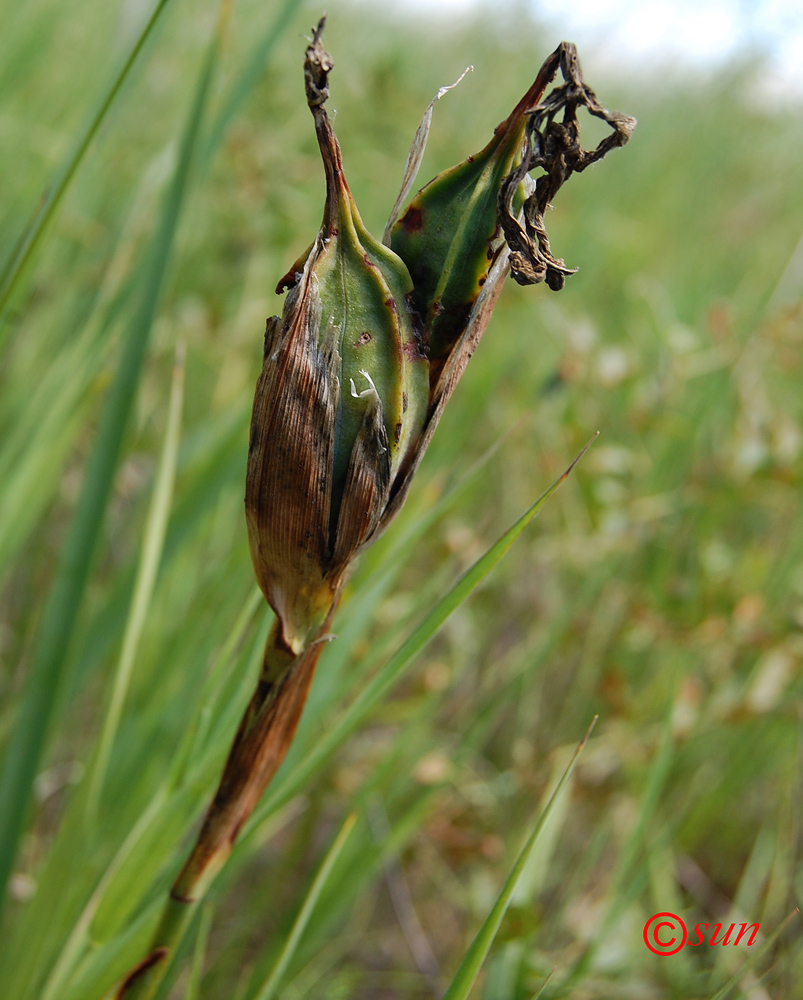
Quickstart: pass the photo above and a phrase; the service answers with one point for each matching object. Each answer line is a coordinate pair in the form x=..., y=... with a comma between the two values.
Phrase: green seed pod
x=456, y=226
x=340, y=403
x=449, y=234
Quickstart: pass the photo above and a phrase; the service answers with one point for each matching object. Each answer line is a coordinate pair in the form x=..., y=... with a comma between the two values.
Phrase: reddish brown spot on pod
x=412, y=350
x=413, y=219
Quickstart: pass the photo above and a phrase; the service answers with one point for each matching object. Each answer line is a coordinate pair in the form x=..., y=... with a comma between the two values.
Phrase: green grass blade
x=380, y=684
x=253, y=72
x=152, y=545
x=543, y=986
x=199, y=953
x=480, y=946
x=61, y=608
x=268, y=988
x=75, y=945
x=51, y=198
x=725, y=990
x=192, y=748
x=626, y=877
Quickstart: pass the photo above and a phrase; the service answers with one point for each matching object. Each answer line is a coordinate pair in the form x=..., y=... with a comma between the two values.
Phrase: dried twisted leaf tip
x=553, y=147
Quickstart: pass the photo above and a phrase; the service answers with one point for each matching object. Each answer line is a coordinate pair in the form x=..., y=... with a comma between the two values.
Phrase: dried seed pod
x=340, y=402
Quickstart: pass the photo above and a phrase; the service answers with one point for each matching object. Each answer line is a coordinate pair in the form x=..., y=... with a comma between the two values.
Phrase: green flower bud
x=340, y=403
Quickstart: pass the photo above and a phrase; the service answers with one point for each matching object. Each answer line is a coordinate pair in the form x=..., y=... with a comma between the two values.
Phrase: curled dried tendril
x=554, y=147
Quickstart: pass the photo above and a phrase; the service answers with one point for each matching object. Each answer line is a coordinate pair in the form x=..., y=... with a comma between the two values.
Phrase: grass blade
x=543, y=986
x=253, y=72
x=75, y=945
x=480, y=946
x=199, y=953
x=268, y=989
x=61, y=608
x=152, y=545
x=625, y=882
x=380, y=684
x=51, y=197
x=724, y=991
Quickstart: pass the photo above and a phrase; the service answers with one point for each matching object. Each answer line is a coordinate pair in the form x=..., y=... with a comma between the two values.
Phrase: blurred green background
x=661, y=588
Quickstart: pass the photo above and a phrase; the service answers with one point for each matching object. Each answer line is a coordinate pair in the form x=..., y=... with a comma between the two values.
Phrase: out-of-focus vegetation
x=662, y=587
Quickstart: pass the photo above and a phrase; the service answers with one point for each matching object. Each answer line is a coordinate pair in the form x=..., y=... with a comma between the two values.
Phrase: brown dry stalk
x=263, y=738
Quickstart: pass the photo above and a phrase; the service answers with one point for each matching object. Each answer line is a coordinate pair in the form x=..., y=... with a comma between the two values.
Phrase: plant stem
x=263, y=738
